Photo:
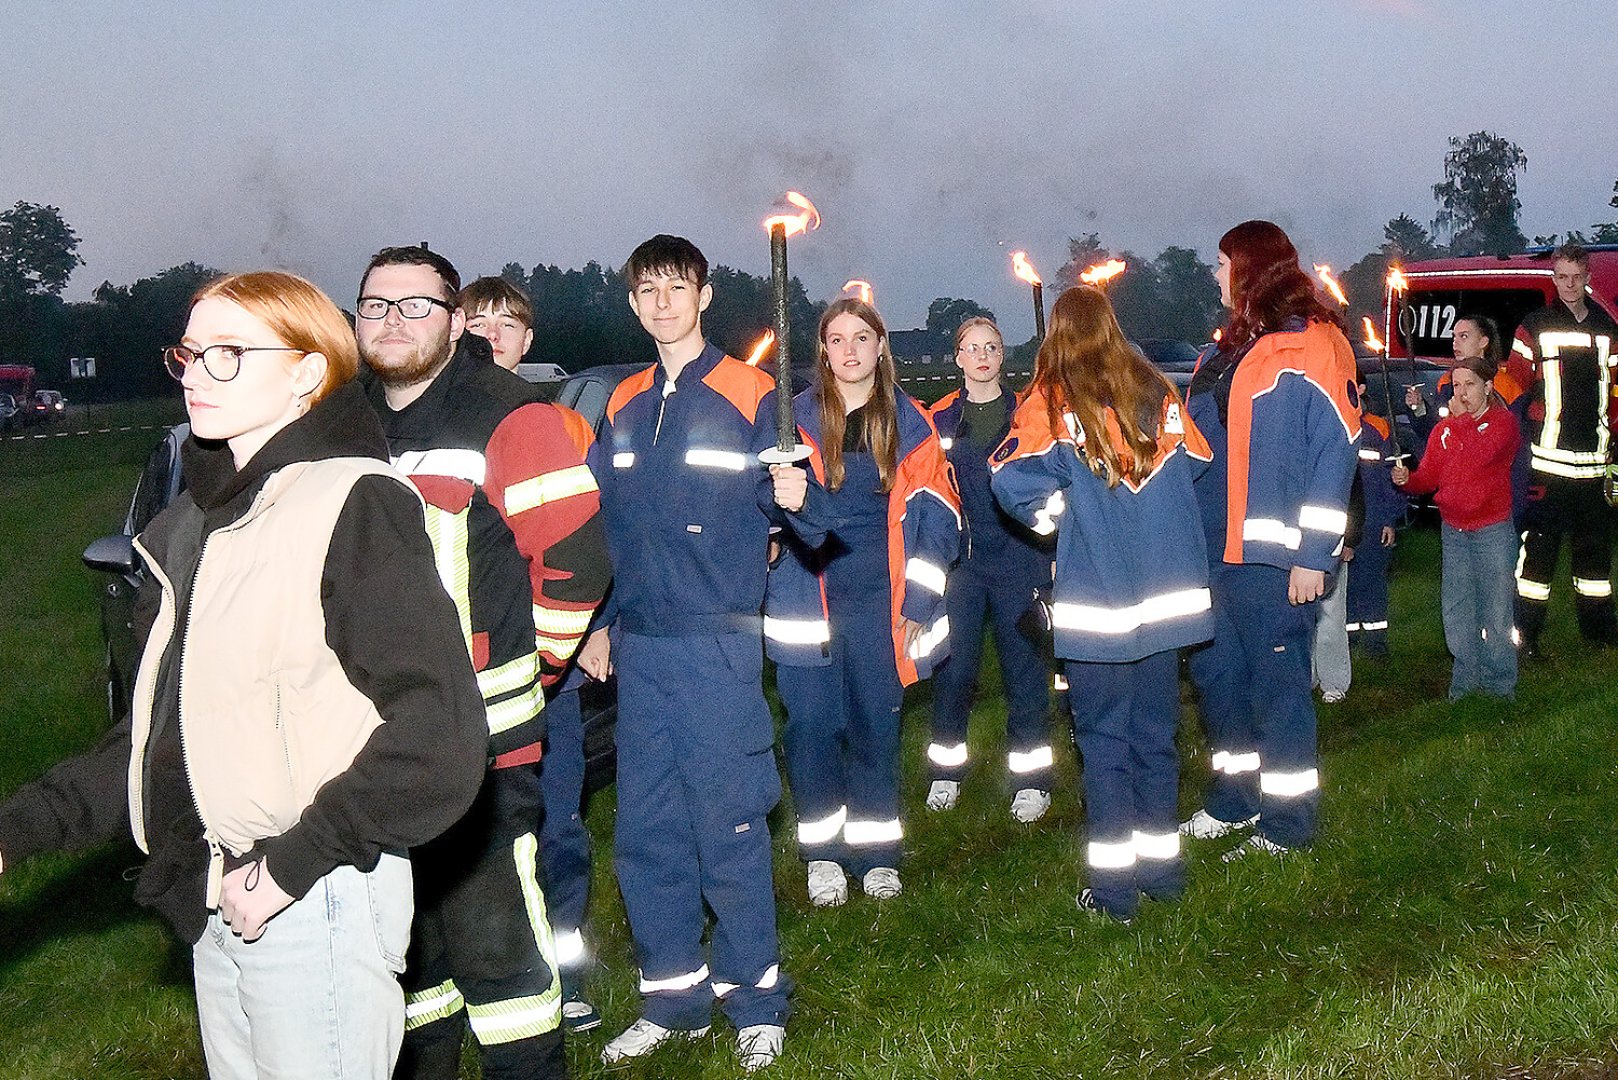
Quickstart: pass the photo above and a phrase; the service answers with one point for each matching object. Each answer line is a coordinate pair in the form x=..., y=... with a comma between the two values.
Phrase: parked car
x=8, y=412
x=45, y=405
x=542, y=373
x=160, y=481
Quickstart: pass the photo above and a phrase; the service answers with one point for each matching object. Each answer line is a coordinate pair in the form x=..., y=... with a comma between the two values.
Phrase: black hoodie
x=397, y=638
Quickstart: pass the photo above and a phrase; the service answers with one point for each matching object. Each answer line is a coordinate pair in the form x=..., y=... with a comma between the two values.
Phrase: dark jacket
x=398, y=644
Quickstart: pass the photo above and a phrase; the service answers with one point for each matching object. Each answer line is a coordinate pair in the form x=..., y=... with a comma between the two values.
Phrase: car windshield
x=1436, y=311
x=1168, y=352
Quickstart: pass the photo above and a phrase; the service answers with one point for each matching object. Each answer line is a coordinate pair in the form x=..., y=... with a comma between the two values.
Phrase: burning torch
x=1376, y=345
x=1102, y=273
x=804, y=217
x=860, y=289
x=1025, y=270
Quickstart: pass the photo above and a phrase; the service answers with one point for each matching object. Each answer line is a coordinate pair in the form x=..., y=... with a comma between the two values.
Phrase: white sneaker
x=881, y=883
x=759, y=1045
x=1030, y=804
x=828, y=885
x=1204, y=826
x=1332, y=697
x=943, y=794
x=1254, y=843
x=642, y=1037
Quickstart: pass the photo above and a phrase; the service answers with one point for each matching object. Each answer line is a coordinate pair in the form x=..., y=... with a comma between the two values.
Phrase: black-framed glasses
x=411, y=307
x=222, y=362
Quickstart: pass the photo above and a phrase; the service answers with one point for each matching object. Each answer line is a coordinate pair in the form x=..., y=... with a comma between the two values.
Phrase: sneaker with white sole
x=828, y=885
x=579, y=1016
x=758, y=1045
x=642, y=1037
x=1252, y=844
x=943, y=794
x=881, y=883
x=1332, y=697
x=1030, y=804
x=1087, y=903
x=1204, y=826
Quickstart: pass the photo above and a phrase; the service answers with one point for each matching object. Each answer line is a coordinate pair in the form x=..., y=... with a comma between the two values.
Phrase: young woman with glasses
x=304, y=711
x=852, y=623
x=1002, y=566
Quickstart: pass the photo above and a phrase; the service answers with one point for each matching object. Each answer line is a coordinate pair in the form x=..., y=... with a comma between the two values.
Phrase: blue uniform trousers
x=1124, y=719
x=696, y=781
x=564, y=843
x=1368, y=596
x=842, y=746
x=1254, y=679
x=971, y=601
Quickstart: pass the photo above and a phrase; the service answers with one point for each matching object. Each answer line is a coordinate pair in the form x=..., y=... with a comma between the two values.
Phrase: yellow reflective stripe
x=1551, y=433
x=449, y=536
x=509, y=676
x=1552, y=342
x=524, y=1017
x=551, y=487
x=561, y=648
x=1592, y=587
x=422, y=1007
x=514, y=711
x=563, y=621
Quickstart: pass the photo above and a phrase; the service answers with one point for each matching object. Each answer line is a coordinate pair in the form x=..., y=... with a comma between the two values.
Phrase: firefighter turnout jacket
x=1570, y=413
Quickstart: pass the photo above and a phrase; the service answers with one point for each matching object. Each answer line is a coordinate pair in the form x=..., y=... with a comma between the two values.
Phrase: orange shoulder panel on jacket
x=943, y=403
x=743, y=385
x=1379, y=425
x=1030, y=432
x=577, y=428
x=1506, y=384
x=629, y=389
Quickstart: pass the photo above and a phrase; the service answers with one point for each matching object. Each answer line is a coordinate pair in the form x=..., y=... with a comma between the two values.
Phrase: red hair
x=1267, y=286
x=299, y=314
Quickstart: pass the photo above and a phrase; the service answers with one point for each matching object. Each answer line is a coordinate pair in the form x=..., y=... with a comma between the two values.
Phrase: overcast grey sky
x=936, y=137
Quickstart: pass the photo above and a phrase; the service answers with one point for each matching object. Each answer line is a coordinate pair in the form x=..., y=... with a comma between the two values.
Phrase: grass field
x=1459, y=917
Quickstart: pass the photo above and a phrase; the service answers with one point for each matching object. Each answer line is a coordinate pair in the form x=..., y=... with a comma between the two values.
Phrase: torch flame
x=1324, y=273
x=1024, y=269
x=861, y=289
x=1101, y=273
x=761, y=347
x=1219, y=335
x=1397, y=280
x=803, y=221
x=1371, y=338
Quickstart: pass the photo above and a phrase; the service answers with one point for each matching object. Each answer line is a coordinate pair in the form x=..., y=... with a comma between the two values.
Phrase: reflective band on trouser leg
x=532, y=1015
x=1029, y=761
x=1156, y=846
x=1597, y=588
x=1235, y=764
x=825, y=830
x=422, y=1007
x=767, y=981
x=1289, y=785
x=947, y=757
x=869, y=833
x=569, y=948
x=684, y=981
x=1110, y=856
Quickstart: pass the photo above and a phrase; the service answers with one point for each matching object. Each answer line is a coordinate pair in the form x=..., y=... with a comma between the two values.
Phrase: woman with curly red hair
x=1278, y=402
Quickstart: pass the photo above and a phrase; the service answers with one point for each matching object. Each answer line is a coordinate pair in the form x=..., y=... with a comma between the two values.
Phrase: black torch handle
x=1039, y=312
x=786, y=425
x=1393, y=410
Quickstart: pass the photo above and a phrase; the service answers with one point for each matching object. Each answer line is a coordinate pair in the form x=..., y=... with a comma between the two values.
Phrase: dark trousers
x=1577, y=510
x=564, y=843
x=1257, y=706
x=1124, y=720
x=842, y=746
x=975, y=604
x=481, y=946
x=1368, y=596
x=696, y=782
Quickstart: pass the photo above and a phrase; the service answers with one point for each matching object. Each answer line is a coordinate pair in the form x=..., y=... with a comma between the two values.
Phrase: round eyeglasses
x=411, y=307
x=991, y=349
x=222, y=362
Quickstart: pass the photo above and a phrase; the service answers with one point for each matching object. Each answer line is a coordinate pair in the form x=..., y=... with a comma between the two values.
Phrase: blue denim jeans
x=1477, y=593
x=317, y=994
x=1333, y=670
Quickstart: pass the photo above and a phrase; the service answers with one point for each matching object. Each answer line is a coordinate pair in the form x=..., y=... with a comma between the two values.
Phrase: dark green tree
x=1477, y=201
x=1607, y=232
x=946, y=314
x=38, y=251
x=1404, y=239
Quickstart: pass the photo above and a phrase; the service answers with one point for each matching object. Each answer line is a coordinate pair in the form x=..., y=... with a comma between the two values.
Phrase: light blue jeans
x=1333, y=669
x=317, y=994
x=1477, y=594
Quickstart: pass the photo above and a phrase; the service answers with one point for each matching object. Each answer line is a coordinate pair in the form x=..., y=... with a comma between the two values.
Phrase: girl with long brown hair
x=854, y=621
x=1101, y=454
x=1278, y=401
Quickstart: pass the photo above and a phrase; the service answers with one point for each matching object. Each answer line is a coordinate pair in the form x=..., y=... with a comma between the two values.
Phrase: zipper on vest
x=216, y=858
x=143, y=708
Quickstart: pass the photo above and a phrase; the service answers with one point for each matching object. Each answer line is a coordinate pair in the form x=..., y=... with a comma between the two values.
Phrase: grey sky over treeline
x=935, y=137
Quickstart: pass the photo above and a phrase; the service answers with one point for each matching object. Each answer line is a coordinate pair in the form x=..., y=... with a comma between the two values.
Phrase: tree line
x=583, y=320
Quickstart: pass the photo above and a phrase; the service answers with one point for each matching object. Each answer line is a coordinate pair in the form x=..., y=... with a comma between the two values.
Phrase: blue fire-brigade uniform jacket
x=1384, y=503
x=1287, y=508
x=924, y=529
x=991, y=540
x=1131, y=569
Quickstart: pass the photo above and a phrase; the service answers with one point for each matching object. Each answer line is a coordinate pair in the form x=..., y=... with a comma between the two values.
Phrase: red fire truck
x=18, y=381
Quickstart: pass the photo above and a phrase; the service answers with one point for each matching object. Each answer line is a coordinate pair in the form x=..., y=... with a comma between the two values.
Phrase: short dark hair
x=499, y=296
x=665, y=254
x=1573, y=252
x=417, y=255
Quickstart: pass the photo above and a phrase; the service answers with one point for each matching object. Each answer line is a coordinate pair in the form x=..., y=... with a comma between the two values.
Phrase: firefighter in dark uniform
x=1570, y=345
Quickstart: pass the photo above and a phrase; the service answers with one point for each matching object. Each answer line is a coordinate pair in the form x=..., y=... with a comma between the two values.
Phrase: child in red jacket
x=1467, y=467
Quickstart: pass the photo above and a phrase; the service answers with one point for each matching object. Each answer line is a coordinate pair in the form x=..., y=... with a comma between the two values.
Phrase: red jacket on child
x=1468, y=468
